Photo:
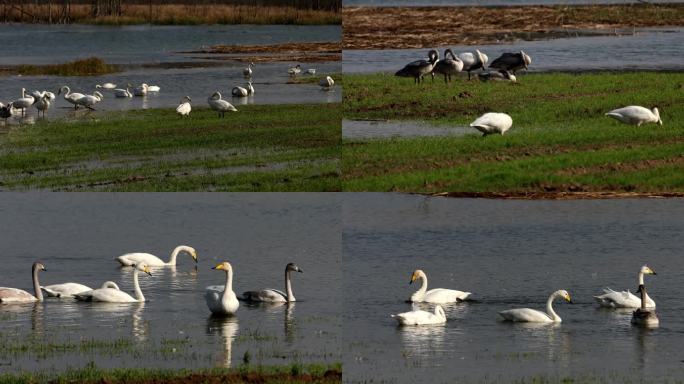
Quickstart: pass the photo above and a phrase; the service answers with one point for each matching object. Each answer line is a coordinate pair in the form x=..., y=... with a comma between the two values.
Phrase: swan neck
x=136, y=284
x=288, y=286
x=174, y=255
x=229, y=282
x=423, y=284
x=36, y=284
x=549, y=308
x=641, y=278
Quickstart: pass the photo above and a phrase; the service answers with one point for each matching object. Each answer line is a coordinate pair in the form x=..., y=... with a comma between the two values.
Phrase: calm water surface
x=77, y=237
x=625, y=52
x=509, y=254
x=367, y=130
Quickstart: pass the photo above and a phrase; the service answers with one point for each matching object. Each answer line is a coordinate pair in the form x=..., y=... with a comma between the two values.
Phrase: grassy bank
x=170, y=14
x=560, y=140
x=260, y=148
x=293, y=373
x=91, y=66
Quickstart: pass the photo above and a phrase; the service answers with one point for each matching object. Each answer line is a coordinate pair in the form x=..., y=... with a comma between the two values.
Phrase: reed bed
x=91, y=66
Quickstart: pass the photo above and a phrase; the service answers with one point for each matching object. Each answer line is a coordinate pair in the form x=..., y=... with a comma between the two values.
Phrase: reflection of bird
x=13, y=295
x=643, y=316
x=274, y=295
x=535, y=316
x=219, y=105
x=437, y=295
x=419, y=68
x=626, y=299
x=70, y=289
x=511, y=61
x=221, y=300
x=497, y=76
x=184, y=108
x=492, y=122
x=228, y=328
x=69, y=96
x=636, y=115
x=421, y=317
x=472, y=61
x=131, y=259
x=448, y=65
x=327, y=83
x=114, y=295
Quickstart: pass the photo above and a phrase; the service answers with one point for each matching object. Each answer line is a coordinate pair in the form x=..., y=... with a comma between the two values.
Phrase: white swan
x=472, y=61
x=310, y=71
x=626, y=299
x=13, y=295
x=327, y=83
x=89, y=100
x=184, y=108
x=119, y=92
x=421, y=317
x=534, y=316
x=106, y=86
x=247, y=72
x=112, y=295
x=219, y=105
x=448, y=65
x=221, y=300
x=131, y=259
x=43, y=103
x=141, y=90
x=153, y=88
x=69, y=96
x=296, y=70
x=643, y=316
x=636, y=115
x=243, y=92
x=437, y=295
x=492, y=122
x=274, y=295
x=71, y=289
x=25, y=101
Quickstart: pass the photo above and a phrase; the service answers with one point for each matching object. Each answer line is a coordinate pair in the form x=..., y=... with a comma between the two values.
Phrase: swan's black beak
x=411, y=282
x=300, y=270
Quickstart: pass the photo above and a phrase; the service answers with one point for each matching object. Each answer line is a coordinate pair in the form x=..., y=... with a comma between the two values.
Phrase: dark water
x=403, y=3
x=509, y=254
x=651, y=49
x=77, y=237
x=367, y=130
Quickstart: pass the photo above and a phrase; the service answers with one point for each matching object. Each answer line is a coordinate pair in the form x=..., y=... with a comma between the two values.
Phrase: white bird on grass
x=219, y=105
x=184, y=108
x=636, y=115
x=492, y=122
x=69, y=96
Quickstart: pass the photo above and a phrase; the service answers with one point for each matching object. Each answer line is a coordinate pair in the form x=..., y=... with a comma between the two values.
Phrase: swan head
x=482, y=57
x=189, y=100
x=657, y=115
x=98, y=86
x=564, y=294
x=63, y=89
x=38, y=266
x=417, y=274
x=216, y=96
x=293, y=267
x=98, y=94
x=142, y=267
x=224, y=266
x=191, y=250
x=433, y=55
x=646, y=270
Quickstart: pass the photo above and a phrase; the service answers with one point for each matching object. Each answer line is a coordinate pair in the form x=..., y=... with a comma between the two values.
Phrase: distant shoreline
x=422, y=27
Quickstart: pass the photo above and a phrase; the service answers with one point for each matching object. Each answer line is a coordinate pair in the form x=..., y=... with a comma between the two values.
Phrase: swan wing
x=184, y=109
x=492, y=122
x=442, y=295
x=267, y=295
x=66, y=289
x=525, y=315
x=615, y=299
x=130, y=259
x=107, y=295
x=417, y=318
x=13, y=295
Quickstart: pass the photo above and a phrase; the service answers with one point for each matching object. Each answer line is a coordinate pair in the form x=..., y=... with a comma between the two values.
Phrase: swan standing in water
x=219, y=105
x=419, y=68
x=448, y=65
x=492, y=122
x=437, y=295
x=327, y=83
x=13, y=295
x=131, y=259
x=247, y=72
x=274, y=295
x=472, y=61
x=112, y=295
x=243, y=92
x=221, y=300
x=43, y=103
x=89, y=100
x=184, y=108
x=626, y=299
x=643, y=316
x=25, y=101
x=636, y=115
x=421, y=317
x=528, y=315
x=71, y=289
x=69, y=96
x=121, y=93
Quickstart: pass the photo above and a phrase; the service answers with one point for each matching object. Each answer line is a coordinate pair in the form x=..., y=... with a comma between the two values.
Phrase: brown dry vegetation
x=421, y=27
x=170, y=14
x=300, y=52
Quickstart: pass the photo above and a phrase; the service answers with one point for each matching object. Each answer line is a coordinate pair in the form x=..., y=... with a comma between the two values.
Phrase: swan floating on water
x=114, y=295
x=534, y=316
x=243, y=92
x=448, y=65
x=221, y=300
x=14, y=295
x=219, y=105
x=107, y=86
x=636, y=115
x=625, y=299
x=511, y=62
x=247, y=72
x=141, y=90
x=421, y=317
x=419, y=68
x=310, y=71
x=71, y=289
x=43, y=103
x=274, y=295
x=296, y=70
x=119, y=92
x=69, y=96
x=643, y=316
x=436, y=295
x=131, y=259
x=492, y=122
x=472, y=61
x=184, y=108
x=327, y=83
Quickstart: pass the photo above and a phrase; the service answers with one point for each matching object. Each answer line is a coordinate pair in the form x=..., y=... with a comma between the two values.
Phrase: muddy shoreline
x=559, y=195
x=422, y=27
x=302, y=52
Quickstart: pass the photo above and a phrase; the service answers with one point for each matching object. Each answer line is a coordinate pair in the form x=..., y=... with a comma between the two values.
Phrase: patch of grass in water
x=91, y=66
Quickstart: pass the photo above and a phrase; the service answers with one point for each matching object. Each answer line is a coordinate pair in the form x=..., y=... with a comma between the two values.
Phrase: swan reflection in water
x=227, y=327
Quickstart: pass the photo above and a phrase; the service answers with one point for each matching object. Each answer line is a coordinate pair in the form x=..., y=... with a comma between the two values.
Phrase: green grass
x=91, y=66
x=560, y=140
x=292, y=373
x=259, y=148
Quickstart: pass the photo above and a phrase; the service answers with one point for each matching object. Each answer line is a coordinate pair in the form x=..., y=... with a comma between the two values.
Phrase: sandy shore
x=421, y=27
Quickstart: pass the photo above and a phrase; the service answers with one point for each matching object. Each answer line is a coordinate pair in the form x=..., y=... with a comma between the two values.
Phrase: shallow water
x=400, y=3
x=509, y=254
x=140, y=44
x=366, y=130
x=77, y=237
x=648, y=49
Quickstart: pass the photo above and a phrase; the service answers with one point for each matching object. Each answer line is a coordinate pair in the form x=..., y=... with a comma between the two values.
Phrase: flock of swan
x=502, y=69
x=220, y=299
x=644, y=315
x=43, y=100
